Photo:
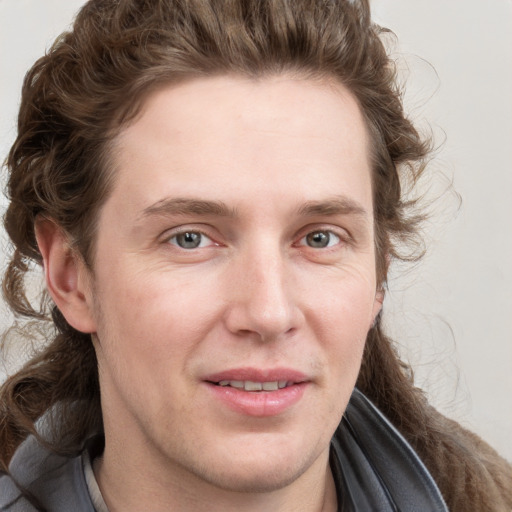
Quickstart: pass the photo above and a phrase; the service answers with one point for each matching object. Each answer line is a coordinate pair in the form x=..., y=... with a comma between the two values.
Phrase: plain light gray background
x=452, y=314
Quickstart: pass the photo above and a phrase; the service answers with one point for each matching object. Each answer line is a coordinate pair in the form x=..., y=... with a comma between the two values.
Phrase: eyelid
x=204, y=241
x=337, y=239
x=169, y=234
x=343, y=235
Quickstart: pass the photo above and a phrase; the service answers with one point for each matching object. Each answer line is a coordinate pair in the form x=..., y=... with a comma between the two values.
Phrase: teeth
x=249, y=385
x=233, y=383
x=253, y=386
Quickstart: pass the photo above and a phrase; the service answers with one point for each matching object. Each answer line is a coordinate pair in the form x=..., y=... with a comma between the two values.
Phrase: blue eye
x=321, y=239
x=190, y=240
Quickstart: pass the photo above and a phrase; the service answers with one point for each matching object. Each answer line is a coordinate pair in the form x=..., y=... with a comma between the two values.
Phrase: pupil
x=318, y=239
x=189, y=240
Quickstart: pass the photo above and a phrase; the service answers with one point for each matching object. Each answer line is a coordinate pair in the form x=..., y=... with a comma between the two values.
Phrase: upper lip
x=258, y=375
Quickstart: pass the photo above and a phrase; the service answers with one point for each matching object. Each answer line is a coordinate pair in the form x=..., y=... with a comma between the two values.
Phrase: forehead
x=277, y=133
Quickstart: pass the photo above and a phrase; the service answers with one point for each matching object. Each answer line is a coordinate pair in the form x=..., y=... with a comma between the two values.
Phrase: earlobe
x=66, y=276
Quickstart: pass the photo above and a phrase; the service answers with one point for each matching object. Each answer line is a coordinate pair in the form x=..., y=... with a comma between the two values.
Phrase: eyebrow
x=338, y=205
x=184, y=206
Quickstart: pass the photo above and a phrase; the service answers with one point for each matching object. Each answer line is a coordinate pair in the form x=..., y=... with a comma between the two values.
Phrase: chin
x=257, y=470
x=253, y=480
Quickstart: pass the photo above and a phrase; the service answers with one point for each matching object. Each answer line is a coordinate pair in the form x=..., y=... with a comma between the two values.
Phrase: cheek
x=344, y=299
x=341, y=316
x=157, y=316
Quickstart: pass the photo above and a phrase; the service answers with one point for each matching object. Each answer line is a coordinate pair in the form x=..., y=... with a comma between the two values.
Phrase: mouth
x=250, y=385
x=256, y=392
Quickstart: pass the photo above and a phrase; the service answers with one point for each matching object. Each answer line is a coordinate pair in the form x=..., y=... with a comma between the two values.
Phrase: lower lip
x=259, y=403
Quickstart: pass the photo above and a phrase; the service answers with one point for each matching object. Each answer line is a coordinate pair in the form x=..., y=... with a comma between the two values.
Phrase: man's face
x=234, y=279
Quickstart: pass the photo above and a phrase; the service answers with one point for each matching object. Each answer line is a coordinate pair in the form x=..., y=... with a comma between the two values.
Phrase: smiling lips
x=258, y=393
x=249, y=385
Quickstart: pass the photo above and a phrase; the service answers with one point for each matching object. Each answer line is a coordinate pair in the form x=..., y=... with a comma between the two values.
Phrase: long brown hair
x=92, y=82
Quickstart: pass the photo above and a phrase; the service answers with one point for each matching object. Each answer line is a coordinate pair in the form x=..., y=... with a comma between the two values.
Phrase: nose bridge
x=263, y=303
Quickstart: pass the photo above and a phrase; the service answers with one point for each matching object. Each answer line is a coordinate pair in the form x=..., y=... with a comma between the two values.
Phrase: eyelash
x=327, y=233
x=189, y=232
x=302, y=242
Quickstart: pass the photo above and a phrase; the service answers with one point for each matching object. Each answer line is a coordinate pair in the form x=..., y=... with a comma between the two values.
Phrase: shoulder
x=53, y=481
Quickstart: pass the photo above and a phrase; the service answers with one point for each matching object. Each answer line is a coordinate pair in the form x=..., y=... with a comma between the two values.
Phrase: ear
x=380, y=292
x=377, y=305
x=67, y=278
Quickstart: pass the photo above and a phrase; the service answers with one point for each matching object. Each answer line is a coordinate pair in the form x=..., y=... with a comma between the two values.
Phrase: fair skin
x=236, y=250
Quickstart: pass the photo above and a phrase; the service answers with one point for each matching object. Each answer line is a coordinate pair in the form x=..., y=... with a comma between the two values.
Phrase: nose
x=262, y=296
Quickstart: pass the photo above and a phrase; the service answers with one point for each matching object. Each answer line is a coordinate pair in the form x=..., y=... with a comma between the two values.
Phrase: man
x=211, y=191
